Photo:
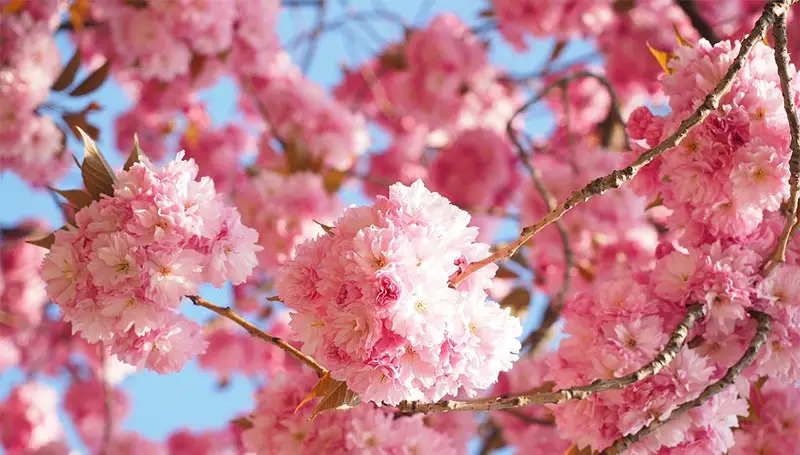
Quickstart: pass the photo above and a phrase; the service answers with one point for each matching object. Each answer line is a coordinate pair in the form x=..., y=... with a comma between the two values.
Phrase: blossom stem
x=665, y=357
x=758, y=340
x=228, y=313
x=782, y=61
x=619, y=177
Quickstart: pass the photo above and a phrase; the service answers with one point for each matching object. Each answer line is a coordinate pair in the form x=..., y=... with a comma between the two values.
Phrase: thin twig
x=664, y=358
x=528, y=419
x=621, y=176
x=699, y=23
x=758, y=340
x=782, y=61
x=108, y=424
x=315, y=35
x=491, y=441
x=227, y=312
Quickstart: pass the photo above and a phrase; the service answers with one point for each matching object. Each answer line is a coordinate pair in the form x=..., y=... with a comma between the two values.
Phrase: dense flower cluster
x=436, y=83
x=478, y=169
x=120, y=273
x=374, y=306
x=278, y=429
x=30, y=144
x=608, y=234
x=721, y=190
x=285, y=210
x=317, y=130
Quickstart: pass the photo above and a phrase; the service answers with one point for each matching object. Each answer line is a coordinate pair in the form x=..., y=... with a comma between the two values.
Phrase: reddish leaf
x=98, y=177
x=133, y=158
x=503, y=272
x=44, y=242
x=67, y=75
x=486, y=13
x=78, y=198
x=77, y=121
x=244, y=422
x=333, y=180
x=93, y=81
x=517, y=301
x=558, y=49
x=335, y=395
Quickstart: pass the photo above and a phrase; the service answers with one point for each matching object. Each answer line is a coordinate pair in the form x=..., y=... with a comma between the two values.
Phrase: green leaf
x=133, y=158
x=67, y=75
x=78, y=198
x=98, y=177
x=93, y=81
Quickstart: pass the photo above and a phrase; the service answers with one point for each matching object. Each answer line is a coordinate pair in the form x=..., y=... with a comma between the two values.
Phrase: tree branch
x=227, y=312
x=758, y=340
x=782, y=61
x=664, y=358
x=621, y=176
x=699, y=23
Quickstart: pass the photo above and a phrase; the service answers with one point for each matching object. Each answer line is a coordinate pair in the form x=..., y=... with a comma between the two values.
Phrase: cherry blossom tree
x=627, y=282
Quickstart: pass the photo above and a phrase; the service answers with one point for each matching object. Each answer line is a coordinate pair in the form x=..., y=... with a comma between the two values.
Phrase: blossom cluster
x=315, y=130
x=278, y=428
x=608, y=233
x=771, y=425
x=374, y=306
x=120, y=273
x=720, y=192
x=436, y=82
x=29, y=421
x=30, y=143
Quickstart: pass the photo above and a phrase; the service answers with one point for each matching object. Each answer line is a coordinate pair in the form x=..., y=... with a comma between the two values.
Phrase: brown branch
x=227, y=312
x=758, y=340
x=699, y=23
x=621, y=176
x=782, y=61
x=493, y=441
x=528, y=419
x=664, y=358
x=315, y=36
x=108, y=424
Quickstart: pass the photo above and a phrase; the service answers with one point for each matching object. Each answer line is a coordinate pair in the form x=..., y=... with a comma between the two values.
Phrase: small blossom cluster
x=519, y=431
x=564, y=20
x=438, y=81
x=318, y=132
x=607, y=234
x=278, y=429
x=771, y=426
x=164, y=40
x=29, y=423
x=374, y=306
x=30, y=144
x=84, y=402
x=477, y=170
x=120, y=273
x=285, y=210
x=231, y=350
x=731, y=169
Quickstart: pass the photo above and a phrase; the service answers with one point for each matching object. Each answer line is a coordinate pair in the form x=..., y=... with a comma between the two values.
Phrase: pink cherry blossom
x=393, y=338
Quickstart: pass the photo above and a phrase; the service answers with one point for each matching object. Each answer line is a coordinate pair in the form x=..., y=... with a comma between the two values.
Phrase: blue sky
x=162, y=404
